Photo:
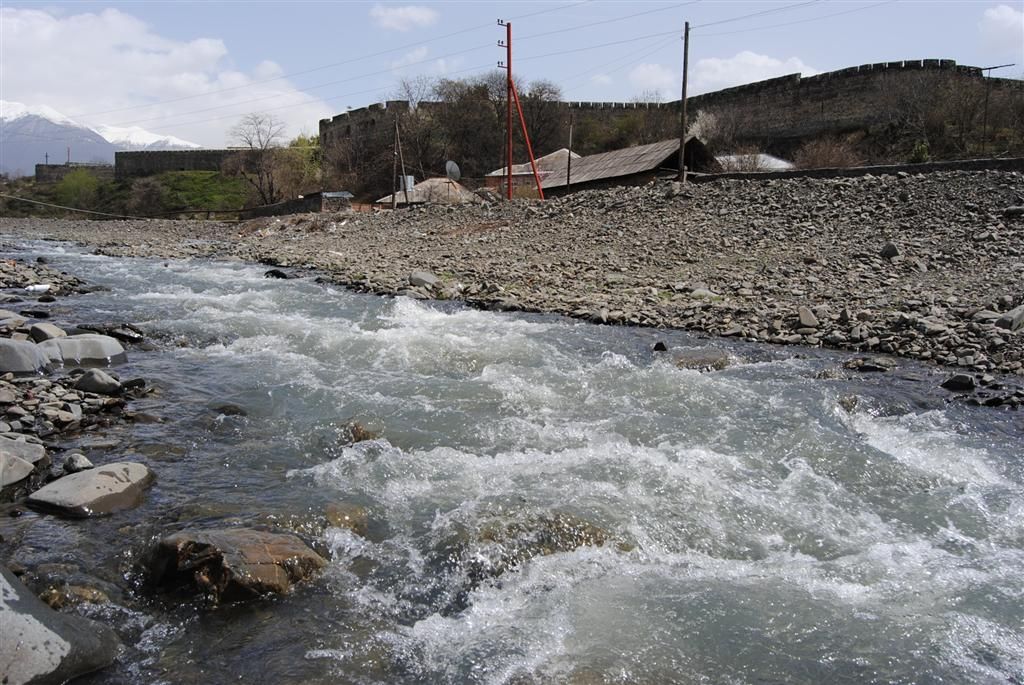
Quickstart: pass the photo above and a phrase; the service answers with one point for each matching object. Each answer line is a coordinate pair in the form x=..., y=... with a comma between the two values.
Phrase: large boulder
x=95, y=492
x=21, y=356
x=87, y=348
x=232, y=564
x=39, y=645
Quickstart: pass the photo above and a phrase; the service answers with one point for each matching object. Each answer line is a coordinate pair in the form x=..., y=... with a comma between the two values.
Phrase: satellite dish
x=452, y=170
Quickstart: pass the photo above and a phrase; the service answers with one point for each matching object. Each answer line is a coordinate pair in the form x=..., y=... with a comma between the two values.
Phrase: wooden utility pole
x=568, y=159
x=682, y=118
x=394, y=170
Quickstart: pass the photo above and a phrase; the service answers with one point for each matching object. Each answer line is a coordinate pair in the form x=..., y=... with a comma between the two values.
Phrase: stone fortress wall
x=789, y=107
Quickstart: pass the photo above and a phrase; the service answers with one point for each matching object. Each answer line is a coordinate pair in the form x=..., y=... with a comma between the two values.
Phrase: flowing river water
x=756, y=525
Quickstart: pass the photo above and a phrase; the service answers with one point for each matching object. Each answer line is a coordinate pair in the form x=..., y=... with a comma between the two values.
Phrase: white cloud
x=601, y=79
x=1002, y=29
x=88, y=64
x=651, y=78
x=715, y=73
x=402, y=18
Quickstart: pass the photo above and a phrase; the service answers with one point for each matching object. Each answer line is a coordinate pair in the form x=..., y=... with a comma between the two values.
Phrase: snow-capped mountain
x=31, y=134
x=135, y=138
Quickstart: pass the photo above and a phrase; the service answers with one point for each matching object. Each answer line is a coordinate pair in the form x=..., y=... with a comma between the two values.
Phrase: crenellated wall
x=790, y=107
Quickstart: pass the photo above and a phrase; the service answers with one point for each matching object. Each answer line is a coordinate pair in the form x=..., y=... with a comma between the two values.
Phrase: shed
x=630, y=166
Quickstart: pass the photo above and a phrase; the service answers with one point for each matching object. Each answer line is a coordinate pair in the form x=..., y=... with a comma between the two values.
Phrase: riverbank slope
x=927, y=266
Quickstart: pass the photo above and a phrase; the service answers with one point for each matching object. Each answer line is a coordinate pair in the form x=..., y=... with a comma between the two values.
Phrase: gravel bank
x=923, y=266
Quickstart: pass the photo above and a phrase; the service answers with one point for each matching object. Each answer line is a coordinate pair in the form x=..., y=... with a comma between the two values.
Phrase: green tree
x=79, y=189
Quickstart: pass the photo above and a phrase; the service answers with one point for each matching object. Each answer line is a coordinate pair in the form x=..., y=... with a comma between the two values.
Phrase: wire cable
x=798, y=21
x=73, y=209
x=756, y=14
x=607, y=21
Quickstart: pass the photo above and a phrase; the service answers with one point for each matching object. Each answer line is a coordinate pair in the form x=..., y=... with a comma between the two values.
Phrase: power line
x=646, y=53
x=798, y=21
x=756, y=14
x=608, y=21
x=325, y=66
x=602, y=45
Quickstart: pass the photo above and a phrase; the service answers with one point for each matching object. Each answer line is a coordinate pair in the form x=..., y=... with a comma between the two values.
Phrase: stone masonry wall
x=790, y=107
x=54, y=173
x=148, y=163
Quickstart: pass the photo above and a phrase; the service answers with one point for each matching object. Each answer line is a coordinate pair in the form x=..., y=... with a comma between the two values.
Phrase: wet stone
x=232, y=564
x=94, y=492
x=40, y=645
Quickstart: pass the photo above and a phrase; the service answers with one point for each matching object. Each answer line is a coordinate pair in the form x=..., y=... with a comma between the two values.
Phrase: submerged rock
x=39, y=645
x=710, y=359
x=94, y=492
x=350, y=516
x=232, y=564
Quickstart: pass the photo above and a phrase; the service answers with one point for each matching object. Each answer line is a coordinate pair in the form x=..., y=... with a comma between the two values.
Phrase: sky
x=194, y=69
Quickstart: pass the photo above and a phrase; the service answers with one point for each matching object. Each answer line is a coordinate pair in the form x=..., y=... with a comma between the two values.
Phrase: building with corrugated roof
x=629, y=166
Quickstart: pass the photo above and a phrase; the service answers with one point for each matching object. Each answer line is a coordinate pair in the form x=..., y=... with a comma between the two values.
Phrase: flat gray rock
x=29, y=451
x=13, y=469
x=97, y=381
x=96, y=492
x=87, y=348
x=39, y=645
x=807, y=318
x=423, y=279
x=21, y=356
x=1012, y=320
x=46, y=331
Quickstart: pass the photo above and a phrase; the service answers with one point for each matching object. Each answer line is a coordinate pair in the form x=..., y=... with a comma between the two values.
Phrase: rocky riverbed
x=927, y=266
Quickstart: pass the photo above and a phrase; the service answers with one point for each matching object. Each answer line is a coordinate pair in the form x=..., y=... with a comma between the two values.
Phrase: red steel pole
x=526, y=137
x=508, y=122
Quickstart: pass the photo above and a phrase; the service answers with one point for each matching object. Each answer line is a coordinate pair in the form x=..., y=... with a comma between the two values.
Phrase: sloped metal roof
x=624, y=162
x=549, y=162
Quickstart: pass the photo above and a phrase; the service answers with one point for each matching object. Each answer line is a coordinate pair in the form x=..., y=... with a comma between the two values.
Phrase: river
x=764, y=523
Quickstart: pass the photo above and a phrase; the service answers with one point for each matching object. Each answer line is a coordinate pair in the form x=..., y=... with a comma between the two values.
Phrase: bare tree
x=262, y=134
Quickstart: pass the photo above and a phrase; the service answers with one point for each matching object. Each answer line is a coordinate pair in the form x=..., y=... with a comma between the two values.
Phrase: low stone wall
x=136, y=163
x=54, y=173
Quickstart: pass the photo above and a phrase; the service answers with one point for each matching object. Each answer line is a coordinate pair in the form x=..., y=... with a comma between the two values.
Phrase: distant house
x=522, y=174
x=437, y=190
x=629, y=166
